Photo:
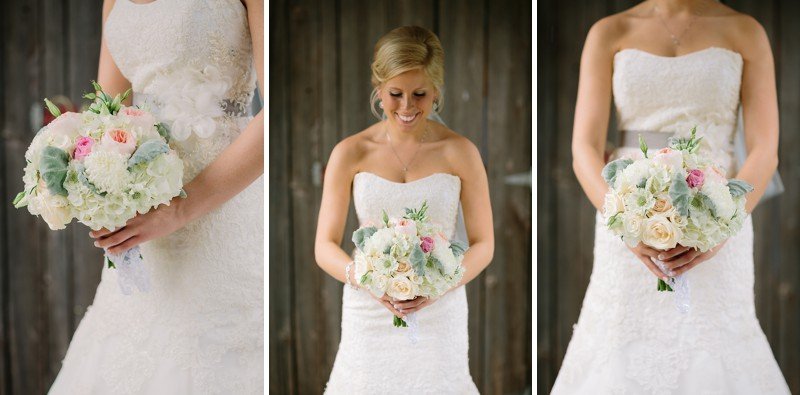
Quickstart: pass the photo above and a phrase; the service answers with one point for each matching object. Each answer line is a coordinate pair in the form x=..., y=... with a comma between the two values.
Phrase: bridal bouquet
x=407, y=257
x=677, y=196
x=101, y=166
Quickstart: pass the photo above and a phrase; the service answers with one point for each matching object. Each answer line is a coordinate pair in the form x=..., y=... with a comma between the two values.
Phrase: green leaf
x=148, y=151
x=97, y=86
x=417, y=259
x=163, y=131
x=110, y=263
x=385, y=218
x=708, y=203
x=679, y=192
x=739, y=187
x=613, y=168
x=361, y=235
x=53, y=169
x=126, y=94
x=18, y=199
x=458, y=248
x=183, y=194
x=90, y=96
x=364, y=278
x=613, y=220
x=642, y=146
x=52, y=108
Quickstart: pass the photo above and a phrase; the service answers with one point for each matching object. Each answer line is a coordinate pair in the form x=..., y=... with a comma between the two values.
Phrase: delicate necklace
x=676, y=40
x=406, y=165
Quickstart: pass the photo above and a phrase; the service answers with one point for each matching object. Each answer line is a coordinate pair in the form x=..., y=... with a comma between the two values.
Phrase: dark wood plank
x=282, y=359
x=305, y=112
x=507, y=339
x=6, y=193
x=461, y=31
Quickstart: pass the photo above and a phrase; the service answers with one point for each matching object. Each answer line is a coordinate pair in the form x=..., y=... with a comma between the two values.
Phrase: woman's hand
x=680, y=259
x=156, y=223
x=401, y=308
x=645, y=253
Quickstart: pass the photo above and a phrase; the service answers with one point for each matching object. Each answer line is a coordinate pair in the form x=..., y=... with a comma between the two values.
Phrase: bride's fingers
x=417, y=307
x=682, y=260
x=651, y=252
x=115, y=238
x=392, y=309
x=652, y=266
x=99, y=233
x=407, y=304
x=693, y=263
x=672, y=253
x=126, y=245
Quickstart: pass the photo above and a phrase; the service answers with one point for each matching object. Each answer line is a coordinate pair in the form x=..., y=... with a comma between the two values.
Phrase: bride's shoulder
x=455, y=147
x=355, y=146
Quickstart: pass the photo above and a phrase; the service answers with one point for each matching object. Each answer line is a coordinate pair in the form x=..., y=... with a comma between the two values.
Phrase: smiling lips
x=407, y=118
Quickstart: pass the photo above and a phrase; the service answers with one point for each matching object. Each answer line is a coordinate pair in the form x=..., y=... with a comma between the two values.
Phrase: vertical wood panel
x=283, y=375
x=566, y=217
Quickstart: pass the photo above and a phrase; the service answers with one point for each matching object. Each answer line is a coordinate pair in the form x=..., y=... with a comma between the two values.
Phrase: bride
x=670, y=65
x=398, y=162
x=200, y=327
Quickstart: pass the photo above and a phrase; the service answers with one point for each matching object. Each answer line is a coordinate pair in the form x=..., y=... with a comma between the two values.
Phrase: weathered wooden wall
x=49, y=48
x=319, y=76
x=566, y=218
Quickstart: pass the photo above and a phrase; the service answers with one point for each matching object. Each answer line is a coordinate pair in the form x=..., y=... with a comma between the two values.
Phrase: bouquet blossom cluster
x=676, y=196
x=407, y=257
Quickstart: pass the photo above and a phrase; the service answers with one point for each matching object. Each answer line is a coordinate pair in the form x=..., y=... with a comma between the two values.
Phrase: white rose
x=67, y=124
x=613, y=204
x=54, y=209
x=660, y=234
x=400, y=288
x=379, y=284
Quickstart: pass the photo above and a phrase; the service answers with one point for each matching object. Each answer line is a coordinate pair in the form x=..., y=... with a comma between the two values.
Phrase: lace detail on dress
x=200, y=328
x=629, y=338
x=438, y=362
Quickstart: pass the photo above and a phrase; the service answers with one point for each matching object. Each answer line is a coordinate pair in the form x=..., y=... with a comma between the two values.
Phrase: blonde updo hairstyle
x=404, y=49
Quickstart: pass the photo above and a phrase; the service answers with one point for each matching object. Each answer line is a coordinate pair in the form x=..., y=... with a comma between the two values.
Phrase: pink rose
x=426, y=243
x=695, y=178
x=83, y=147
x=118, y=140
x=138, y=118
x=406, y=227
x=669, y=157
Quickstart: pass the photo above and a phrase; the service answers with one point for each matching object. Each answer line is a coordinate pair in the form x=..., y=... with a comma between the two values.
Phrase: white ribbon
x=130, y=271
x=413, y=328
x=680, y=289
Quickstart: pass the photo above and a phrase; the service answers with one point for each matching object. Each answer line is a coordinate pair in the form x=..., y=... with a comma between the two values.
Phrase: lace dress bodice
x=673, y=94
x=371, y=349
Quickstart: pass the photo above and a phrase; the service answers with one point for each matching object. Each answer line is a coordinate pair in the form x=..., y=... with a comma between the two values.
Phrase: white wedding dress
x=199, y=330
x=375, y=357
x=630, y=338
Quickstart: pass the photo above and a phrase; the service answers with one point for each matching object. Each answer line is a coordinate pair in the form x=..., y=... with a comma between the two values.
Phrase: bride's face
x=408, y=99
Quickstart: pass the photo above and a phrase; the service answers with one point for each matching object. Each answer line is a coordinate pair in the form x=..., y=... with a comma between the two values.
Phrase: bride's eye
x=419, y=94
x=395, y=94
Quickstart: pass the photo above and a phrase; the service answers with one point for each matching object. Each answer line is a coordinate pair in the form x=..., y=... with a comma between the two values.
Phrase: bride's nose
x=405, y=103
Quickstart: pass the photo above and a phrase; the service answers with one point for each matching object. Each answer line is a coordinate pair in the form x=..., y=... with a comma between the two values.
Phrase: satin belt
x=658, y=140
x=229, y=106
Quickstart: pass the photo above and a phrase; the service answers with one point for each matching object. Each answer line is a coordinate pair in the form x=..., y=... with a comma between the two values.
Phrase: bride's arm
x=333, y=209
x=108, y=74
x=592, y=108
x=476, y=206
x=759, y=109
x=241, y=163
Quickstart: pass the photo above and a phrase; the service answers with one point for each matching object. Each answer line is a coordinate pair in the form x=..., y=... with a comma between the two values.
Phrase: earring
x=436, y=105
x=380, y=104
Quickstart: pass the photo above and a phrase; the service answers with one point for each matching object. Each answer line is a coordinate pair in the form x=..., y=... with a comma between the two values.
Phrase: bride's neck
x=674, y=7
